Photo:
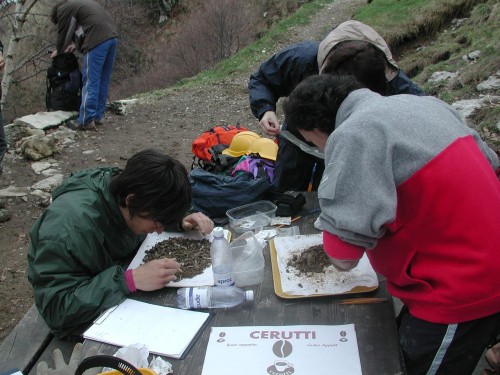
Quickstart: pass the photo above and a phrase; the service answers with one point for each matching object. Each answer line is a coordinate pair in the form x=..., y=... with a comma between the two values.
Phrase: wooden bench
x=30, y=342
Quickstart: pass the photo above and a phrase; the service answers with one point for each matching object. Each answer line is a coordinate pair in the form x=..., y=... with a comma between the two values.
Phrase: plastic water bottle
x=212, y=297
x=222, y=260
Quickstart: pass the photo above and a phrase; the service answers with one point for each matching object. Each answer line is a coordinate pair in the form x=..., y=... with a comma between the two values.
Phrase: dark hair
x=362, y=60
x=53, y=13
x=159, y=186
x=314, y=103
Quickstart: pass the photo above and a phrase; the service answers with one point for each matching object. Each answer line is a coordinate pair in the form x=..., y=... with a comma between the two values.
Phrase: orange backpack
x=218, y=135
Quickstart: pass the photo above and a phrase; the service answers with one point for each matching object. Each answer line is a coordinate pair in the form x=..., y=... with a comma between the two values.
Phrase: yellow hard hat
x=265, y=147
x=240, y=143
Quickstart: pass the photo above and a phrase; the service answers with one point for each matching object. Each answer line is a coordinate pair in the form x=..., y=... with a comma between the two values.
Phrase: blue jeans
x=96, y=75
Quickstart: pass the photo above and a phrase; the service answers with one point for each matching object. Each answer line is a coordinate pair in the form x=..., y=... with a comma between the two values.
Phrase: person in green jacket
x=84, y=240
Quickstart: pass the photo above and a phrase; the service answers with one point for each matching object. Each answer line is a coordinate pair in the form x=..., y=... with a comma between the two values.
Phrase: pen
x=299, y=217
x=291, y=221
x=310, y=187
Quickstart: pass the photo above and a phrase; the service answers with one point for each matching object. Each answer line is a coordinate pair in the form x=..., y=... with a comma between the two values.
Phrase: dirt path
x=168, y=121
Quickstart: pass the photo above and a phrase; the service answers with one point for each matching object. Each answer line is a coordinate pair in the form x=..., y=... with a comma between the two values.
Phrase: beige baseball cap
x=355, y=30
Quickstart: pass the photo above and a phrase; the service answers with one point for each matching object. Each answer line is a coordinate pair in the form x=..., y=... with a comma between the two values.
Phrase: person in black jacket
x=352, y=48
x=3, y=141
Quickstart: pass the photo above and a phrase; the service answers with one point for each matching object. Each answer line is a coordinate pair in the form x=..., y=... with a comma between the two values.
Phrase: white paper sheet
x=331, y=282
x=206, y=278
x=166, y=331
x=283, y=350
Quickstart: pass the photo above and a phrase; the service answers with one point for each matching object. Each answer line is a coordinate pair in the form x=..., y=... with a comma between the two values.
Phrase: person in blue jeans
x=85, y=25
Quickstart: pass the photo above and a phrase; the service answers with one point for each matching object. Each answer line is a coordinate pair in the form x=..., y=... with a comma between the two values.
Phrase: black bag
x=220, y=163
x=215, y=194
x=64, y=83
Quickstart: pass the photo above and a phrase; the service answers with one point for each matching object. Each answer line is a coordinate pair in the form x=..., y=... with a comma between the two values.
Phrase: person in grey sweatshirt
x=408, y=183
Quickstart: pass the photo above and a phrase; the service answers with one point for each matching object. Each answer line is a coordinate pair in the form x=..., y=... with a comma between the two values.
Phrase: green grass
x=446, y=51
x=251, y=56
x=423, y=40
x=397, y=21
x=401, y=20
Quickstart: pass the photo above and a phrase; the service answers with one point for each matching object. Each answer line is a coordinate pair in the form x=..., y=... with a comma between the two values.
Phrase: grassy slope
x=406, y=25
x=249, y=57
x=430, y=43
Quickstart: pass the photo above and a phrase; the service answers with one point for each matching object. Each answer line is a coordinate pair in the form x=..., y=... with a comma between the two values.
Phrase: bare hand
x=155, y=274
x=343, y=265
x=70, y=49
x=198, y=221
x=270, y=124
x=53, y=54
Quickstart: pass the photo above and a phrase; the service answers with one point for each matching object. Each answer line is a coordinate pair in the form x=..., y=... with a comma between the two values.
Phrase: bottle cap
x=218, y=232
x=249, y=295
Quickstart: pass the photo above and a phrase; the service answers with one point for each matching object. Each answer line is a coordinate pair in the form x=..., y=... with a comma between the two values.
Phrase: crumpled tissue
x=161, y=367
x=136, y=354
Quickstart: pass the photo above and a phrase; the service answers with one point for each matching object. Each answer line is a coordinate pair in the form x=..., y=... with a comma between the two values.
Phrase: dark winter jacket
x=97, y=24
x=278, y=76
x=79, y=248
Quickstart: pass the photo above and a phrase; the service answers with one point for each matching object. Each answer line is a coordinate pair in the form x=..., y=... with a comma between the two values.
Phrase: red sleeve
x=338, y=249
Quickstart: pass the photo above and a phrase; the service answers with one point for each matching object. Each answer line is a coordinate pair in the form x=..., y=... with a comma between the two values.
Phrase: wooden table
x=374, y=323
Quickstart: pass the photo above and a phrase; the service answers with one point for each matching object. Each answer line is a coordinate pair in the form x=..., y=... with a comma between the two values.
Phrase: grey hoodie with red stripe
x=407, y=182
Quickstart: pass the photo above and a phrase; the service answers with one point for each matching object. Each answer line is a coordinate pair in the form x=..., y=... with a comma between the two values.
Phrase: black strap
x=107, y=361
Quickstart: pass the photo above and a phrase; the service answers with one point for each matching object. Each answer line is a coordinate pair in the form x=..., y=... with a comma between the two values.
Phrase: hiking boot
x=90, y=126
x=73, y=125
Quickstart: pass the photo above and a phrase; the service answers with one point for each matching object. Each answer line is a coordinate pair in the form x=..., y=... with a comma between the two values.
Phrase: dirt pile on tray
x=193, y=255
x=311, y=260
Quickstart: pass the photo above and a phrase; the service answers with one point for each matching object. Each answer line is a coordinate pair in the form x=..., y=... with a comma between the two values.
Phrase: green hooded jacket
x=79, y=248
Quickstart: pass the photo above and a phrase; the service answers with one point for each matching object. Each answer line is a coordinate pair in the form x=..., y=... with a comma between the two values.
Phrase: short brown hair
x=360, y=59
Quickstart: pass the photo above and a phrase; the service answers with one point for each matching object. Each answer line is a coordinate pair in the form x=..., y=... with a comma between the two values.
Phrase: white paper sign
x=283, y=350
x=165, y=330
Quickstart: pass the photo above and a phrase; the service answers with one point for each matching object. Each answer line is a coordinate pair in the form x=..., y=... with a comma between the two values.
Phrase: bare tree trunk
x=22, y=9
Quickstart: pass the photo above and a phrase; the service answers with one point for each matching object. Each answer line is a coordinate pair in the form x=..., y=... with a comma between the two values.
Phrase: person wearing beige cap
x=351, y=48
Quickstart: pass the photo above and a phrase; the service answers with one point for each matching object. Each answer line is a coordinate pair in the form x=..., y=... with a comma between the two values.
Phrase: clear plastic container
x=248, y=260
x=251, y=217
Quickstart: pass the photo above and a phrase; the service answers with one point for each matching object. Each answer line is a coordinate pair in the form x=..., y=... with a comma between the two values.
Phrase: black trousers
x=444, y=349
